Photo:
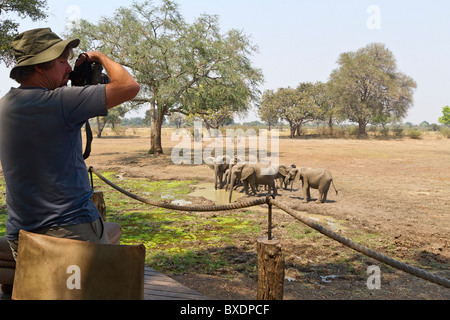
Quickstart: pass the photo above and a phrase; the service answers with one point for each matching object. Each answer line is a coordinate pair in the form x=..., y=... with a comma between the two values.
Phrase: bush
x=445, y=131
x=414, y=134
x=352, y=130
x=398, y=131
x=384, y=131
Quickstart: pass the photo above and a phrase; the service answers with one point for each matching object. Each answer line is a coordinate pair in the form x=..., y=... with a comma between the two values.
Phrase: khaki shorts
x=91, y=231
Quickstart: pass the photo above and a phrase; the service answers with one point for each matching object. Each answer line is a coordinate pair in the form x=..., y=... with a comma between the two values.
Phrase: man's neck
x=33, y=83
x=38, y=80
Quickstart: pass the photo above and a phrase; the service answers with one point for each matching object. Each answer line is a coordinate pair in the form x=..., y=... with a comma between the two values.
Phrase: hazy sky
x=300, y=41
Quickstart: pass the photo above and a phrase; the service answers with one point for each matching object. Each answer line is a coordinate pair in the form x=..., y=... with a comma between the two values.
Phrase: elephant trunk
x=216, y=174
x=228, y=177
x=233, y=179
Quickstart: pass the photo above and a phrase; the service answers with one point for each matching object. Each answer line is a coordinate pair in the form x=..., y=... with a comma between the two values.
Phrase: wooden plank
x=158, y=286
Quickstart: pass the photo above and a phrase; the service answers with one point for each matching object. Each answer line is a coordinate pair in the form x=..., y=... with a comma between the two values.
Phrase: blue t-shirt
x=47, y=183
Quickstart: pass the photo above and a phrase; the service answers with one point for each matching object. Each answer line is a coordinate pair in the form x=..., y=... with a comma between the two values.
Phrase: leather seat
x=8, y=264
x=50, y=268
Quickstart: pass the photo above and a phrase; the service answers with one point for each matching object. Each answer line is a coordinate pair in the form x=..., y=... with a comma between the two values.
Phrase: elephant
x=219, y=165
x=253, y=175
x=235, y=160
x=316, y=178
x=286, y=175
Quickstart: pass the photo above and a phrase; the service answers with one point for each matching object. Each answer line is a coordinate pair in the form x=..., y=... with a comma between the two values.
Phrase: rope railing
x=305, y=220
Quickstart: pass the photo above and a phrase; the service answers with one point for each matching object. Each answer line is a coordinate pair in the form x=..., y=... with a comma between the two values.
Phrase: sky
x=300, y=41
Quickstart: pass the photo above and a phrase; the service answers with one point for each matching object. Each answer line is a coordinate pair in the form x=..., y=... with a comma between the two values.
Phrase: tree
x=33, y=9
x=113, y=117
x=296, y=106
x=370, y=85
x=177, y=119
x=268, y=109
x=326, y=100
x=445, y=119
x=172, y=60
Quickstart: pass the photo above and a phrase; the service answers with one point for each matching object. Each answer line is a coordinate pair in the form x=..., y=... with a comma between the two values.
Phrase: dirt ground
x=396, y=190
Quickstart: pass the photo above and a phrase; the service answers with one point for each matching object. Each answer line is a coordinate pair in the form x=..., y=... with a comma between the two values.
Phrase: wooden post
x=97, y=198
x=270, y=269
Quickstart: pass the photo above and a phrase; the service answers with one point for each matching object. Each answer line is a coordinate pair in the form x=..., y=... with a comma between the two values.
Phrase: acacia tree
x=370, y=86
x=172, y=59
x=33, y=9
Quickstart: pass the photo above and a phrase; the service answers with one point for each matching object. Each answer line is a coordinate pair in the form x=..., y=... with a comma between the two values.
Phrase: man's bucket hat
x=39, y=46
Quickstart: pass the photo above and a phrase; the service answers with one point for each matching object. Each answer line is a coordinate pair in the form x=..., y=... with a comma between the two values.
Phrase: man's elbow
x=133, y=90
x=118, y=94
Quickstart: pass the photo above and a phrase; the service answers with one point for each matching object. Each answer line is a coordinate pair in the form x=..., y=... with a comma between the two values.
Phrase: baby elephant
x=318, y=179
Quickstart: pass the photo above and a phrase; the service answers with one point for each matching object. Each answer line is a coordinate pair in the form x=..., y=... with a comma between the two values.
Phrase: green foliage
x=445, y=119
x=33, y=9
x=369, y=86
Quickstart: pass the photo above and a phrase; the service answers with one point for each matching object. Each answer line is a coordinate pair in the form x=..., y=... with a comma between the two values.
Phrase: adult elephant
x=316, y=178
x=286, y=175
x=235, y=160
x=219, y=165
x=253, y=175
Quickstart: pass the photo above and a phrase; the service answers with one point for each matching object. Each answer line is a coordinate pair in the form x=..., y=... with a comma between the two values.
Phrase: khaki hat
x=39, y=46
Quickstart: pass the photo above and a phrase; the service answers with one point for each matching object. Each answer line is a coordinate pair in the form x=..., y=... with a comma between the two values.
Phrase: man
x=47, y=183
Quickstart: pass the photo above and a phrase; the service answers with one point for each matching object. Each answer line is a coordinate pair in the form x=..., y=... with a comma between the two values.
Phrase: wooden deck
x=157, y=286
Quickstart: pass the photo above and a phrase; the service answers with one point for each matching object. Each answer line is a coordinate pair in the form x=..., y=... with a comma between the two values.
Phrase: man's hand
x=122, y=87
x=81, y=59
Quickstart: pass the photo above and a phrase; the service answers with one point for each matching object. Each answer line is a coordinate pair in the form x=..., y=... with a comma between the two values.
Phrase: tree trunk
x=330, y=125
x=156, y=120
x=292, y=128
x=100, y=126
x=299, y=129
x=362, y=127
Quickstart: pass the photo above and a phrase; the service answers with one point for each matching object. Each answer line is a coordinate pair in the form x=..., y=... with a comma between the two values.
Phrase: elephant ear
x=237, y=160
x=247, y=171
x=222, y=160
x=226, y=159
x=283, y=170
x=210, y=162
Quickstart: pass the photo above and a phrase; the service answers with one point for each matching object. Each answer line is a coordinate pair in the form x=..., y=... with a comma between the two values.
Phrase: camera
x=88, y=73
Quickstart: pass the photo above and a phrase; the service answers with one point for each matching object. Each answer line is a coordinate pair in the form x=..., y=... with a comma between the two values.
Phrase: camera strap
x=87, y=150
x=77, y=74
